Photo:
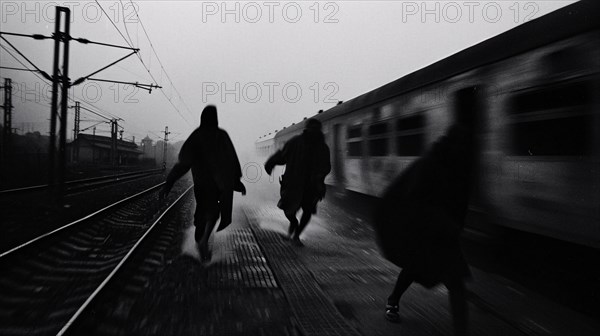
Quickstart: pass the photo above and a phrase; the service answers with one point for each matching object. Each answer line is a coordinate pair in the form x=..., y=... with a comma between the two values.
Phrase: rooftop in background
x=105, y=142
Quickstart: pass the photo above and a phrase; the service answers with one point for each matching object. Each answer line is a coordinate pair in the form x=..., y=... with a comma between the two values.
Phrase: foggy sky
x=273, y=49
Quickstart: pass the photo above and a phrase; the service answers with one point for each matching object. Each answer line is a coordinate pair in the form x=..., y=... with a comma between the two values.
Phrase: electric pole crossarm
x=86, y=41
x=34, y=36
x=148, y=87
x=27, y=59
x=98, y=114
x=80, y=40
x=18, y=69
x=80, y=80
x=93, y=126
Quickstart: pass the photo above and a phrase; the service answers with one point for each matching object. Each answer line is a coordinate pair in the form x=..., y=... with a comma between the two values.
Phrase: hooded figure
x=216, y=172
x=306, y=157
x=420, y=217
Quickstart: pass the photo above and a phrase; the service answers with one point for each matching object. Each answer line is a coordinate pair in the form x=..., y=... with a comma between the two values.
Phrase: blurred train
x=540, y=160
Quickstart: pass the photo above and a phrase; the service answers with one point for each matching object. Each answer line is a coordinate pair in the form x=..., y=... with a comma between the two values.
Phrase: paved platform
x=258, y=283
x=234, y=294
x=351, y=274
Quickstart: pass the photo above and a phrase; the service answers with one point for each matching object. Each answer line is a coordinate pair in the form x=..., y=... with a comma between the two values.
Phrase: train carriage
x=540, y=162
x=265, y=145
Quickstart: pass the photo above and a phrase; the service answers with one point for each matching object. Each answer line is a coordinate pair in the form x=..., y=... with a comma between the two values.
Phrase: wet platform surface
x=259, y=283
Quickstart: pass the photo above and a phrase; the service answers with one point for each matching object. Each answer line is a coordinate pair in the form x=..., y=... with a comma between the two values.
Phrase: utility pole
x=93, y=149
x=6, y=131
x=165, y=146
x=113, y=143
x=77, y=120
x=64, y=104
x=76, y=132
x=56, y=180
x=61, y=81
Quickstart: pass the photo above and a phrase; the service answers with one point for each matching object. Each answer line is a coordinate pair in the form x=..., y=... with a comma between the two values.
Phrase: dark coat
x=216, y=169
x=420, y=216
x=306, y=157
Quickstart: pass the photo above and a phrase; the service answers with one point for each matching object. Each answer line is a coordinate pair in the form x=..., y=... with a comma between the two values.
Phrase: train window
x=354, y=144
x=574, y=94
x=550, y=121
x=566, y=61
x=376, y=113
x=410, y=123
x=378, y=129
x=355, y=132
x=355, y=148
x=378, y=142
x=378, y=147
x=409, y=145
x=410, y=138
x=557, y=137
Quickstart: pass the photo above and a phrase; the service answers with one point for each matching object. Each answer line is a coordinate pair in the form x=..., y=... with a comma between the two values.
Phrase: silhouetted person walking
x=306, y=157
x=422, y=213
x=216, y=172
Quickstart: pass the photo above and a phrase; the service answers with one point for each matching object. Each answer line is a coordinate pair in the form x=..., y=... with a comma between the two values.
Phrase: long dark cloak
x=420, y=216
x=306, y=157
x=211, y=155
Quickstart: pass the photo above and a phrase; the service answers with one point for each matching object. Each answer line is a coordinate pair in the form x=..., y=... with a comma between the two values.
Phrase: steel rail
x=87, y=302
x=4, y=254
x=92, y=179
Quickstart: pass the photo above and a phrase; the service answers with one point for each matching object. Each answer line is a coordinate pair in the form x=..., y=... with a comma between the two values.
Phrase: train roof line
x=266, y=137
x=565, y=22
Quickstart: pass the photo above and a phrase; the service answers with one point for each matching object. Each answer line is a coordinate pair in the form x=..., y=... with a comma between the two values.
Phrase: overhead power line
x=158, y=58
x=130, y=43
x=36, y=71
x=125, y=22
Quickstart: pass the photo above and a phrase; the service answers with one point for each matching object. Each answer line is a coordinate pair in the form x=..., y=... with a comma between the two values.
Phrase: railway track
x=48, y=282
x=83, y=184
x=28, y=214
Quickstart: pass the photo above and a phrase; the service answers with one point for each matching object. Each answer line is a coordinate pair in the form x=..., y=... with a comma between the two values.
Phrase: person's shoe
x=291, y=231
x=391, y=313
x=198, y=235
x=204, y=252
x=296, y=241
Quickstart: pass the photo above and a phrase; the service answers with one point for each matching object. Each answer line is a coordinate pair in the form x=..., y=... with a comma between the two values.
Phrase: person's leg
x=458, y=305
x=210, y=220
x=309, y=207
x=199, y=232
x=405, y=279
x=304, y=219
x=199, y=223
x=203, y=243
x=291, y=216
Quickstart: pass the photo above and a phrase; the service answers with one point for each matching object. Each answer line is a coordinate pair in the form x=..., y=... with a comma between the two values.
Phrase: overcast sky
x=264, y=64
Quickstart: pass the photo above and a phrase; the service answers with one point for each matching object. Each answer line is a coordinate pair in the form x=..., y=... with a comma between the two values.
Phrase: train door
x=338, y=155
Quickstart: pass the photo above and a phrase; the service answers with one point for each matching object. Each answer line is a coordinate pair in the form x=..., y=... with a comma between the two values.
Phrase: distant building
x=148, y=147
x=96, y=149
